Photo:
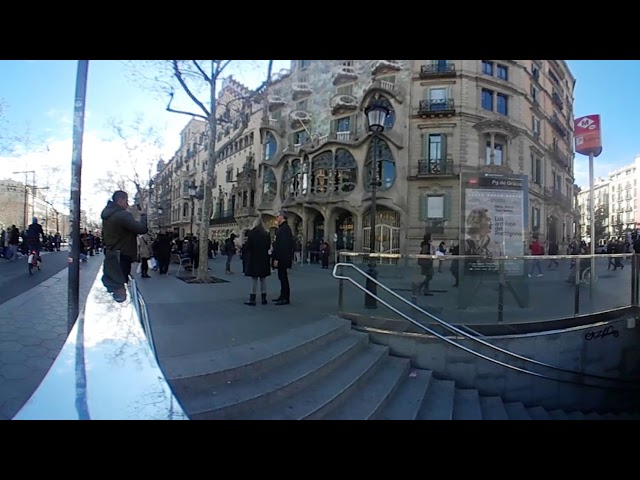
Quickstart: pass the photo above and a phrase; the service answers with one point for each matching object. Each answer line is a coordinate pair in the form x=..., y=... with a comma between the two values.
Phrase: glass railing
x=472, y=290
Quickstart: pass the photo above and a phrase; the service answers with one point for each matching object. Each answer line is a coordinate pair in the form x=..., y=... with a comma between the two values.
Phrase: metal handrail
x=367, y=256
x=457, y=330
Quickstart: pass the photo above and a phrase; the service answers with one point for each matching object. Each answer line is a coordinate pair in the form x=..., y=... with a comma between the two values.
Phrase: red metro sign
x=588, y=137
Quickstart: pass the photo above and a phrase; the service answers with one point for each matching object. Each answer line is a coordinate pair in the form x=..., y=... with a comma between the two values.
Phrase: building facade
x=602, y=209
x=623, y=199
x=306, y=149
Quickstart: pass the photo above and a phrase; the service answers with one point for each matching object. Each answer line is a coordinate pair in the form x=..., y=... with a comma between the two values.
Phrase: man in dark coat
x=282, y=256
x=162, y=252
x=256, y=256
x=120, y=231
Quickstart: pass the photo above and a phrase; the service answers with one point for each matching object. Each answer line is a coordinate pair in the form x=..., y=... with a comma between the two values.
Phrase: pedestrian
x=145, y=242
x=162, y=252
x=255, y=255
x=426, y=264
x=120, y=230
x=282, y=257
x=229, y=251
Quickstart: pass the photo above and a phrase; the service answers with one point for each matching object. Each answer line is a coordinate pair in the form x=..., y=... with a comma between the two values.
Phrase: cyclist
x=34, y=234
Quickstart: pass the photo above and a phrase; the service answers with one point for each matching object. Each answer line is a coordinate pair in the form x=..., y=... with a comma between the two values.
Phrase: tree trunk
x=203, y=267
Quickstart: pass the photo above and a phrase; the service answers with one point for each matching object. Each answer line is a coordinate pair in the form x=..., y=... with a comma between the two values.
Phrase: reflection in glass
x=112, y=276
x=270, y=146
x=386, y=166
x=269, y=185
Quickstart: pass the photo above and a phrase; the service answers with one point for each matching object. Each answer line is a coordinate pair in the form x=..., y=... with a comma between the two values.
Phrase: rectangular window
x=535, y=126
x=497, y=153
x=487, y=99
x=487, y=68
x=302, y=105
x=302, y=64
x=436, y=209
x=535, y=218
x=343, y=124
x=502, y=104
x=346, y=89
x=503, y=72
x=534, y=92
x=435, y=146
x=229, y=176
x=300, y=137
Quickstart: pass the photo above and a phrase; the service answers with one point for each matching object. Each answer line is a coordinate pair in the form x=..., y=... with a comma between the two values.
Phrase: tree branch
x=202, y=72
x=169, y=109
x=178, y=74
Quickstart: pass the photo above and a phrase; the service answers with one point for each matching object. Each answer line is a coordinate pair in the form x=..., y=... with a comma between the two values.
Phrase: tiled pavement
x=33, y=328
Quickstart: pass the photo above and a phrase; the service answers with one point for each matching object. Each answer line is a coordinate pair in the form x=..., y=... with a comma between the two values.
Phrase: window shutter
x=443, y=136
x=424, y=203
x=448, y=200
x=425, y=146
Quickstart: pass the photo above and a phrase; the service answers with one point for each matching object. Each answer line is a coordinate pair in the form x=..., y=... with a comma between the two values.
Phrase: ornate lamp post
x=376, y=113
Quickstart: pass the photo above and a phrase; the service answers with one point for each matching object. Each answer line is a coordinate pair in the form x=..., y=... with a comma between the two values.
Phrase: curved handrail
x=457, y=330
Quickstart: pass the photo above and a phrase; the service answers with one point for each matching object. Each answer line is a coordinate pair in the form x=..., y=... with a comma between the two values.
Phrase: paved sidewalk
x=33, y=328
x=190, y=318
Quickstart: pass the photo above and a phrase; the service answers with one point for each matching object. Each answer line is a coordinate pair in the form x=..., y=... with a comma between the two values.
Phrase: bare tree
x=198, y=79
x=141, y=151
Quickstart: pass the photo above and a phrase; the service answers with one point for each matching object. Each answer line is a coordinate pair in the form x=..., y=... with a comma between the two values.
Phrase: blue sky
x=40, y=95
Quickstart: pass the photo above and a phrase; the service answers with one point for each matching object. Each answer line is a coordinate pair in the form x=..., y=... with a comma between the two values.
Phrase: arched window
x=321, y=169
x=292, y=180
x=269, y=185
x=270, y=146
x=345, y=177
x=391, y=118
x=386, y=166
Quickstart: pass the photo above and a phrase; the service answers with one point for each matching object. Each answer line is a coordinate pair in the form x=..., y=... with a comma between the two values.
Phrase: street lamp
x=376, y=113
x=194, y=192
x=160, y=213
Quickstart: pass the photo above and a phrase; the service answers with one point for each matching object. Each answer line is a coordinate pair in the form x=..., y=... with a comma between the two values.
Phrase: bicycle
x=34, y=261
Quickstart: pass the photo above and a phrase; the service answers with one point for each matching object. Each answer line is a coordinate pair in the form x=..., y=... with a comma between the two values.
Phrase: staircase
x=326, y=370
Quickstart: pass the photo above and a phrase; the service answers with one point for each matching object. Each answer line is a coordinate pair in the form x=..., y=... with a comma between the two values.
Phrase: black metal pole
x=73, y=299
x=370, y=301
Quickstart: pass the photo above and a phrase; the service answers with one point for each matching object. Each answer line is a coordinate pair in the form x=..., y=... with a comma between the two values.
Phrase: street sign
x=588, y=137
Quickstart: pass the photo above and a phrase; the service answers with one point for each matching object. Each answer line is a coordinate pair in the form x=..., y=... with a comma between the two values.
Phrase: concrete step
x=493, y=408
x=558, y=414
x=438, y=402
x=517, y=411
x=255, y=358
x=322, y=397
x=235, y=398
x=375, y=393
x=408, y=398
x=466, y=404
x=538, y=413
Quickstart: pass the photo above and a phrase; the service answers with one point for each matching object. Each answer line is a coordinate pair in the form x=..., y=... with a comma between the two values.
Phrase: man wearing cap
x=282, y=257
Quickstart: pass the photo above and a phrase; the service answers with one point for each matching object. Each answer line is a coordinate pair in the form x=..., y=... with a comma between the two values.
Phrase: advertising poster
x=493, y=224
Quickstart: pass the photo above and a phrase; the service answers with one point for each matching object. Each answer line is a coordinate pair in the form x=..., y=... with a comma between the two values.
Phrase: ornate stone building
x=307, y=150
x=448, y=116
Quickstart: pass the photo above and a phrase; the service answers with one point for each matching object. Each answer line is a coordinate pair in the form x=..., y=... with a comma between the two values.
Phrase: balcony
x=385, y=66
x=557, y=124
x=300, y=90
x=437, y=70
x=562, y=158
x=558, y=196
x=344, y=74
x=276, y=101
x=437, y=167
x=342, y=103
x=276, y=124
x=557, y=99
x=298, y=118
x=436, y=108
x=221, y=217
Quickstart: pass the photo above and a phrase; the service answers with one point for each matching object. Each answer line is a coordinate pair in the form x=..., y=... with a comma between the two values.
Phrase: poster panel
x=494, y=219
